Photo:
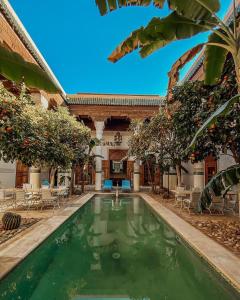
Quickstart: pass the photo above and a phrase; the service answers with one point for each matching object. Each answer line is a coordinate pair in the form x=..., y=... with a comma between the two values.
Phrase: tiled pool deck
x=16, y=249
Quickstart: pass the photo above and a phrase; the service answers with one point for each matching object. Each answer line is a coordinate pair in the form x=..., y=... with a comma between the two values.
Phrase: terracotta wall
x=10, y=39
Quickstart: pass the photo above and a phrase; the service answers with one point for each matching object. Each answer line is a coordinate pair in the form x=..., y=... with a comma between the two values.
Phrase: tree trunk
x=82, y=178
x=179, y=175
x=161, y=182
x=72, y=181
x=150, y=175
x=52, y=176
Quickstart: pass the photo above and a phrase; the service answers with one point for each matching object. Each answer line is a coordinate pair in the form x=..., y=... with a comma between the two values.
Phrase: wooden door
x=210, y=168
x=106, y=169
x=21, y=174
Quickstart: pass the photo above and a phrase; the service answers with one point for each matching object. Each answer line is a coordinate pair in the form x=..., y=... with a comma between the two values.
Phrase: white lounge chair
x=7, y=199
x=192, y=201
x=217, y=204
x=48, y=200
x=179, y=196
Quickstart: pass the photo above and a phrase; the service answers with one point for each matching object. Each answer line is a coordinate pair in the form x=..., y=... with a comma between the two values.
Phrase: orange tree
x=196, y=103
x=156, y=144
x=37, y=136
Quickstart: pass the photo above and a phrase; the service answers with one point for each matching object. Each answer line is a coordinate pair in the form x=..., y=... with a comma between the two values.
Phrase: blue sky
x=76, y=41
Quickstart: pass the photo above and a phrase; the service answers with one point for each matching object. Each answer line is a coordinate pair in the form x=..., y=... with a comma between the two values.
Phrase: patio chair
x=179, y=196
x=27, y=186
x=45, y=187
x=230, y=203
x=126, y=186
x=217, y=204
x=65, y=192
x=48, y=200
x=192, y=201
x=62, y=194
x=108, y=184
x=7, y=199
x=21, y=199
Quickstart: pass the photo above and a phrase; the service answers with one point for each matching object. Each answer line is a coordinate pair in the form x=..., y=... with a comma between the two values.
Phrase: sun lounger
x=107, y=186
x=126, y=186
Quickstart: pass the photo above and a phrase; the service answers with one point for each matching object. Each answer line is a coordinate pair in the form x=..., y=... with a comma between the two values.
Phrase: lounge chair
x=48, y=200
x=217, y=204
x=126, y=186
x=107, y=186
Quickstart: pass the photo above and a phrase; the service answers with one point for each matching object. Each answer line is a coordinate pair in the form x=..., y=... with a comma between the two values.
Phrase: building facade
x=108, y=116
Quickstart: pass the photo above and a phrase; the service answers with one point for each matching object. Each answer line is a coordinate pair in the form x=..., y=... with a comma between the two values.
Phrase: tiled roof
x=115, y=99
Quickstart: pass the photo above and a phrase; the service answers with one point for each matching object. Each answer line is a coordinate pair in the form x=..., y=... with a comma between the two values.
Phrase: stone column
x=198, y=175
x=99, y=125
x=136, y=176
x=172, y=179
x=35, y=177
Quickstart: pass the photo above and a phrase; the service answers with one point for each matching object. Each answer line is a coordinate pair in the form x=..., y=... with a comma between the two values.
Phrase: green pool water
x=114, y=251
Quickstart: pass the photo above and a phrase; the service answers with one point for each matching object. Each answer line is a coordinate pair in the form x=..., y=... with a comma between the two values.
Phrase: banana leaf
x=214, y=59
x=220, y=112
x=219, y=185
x=180, y=63
x=157, y=34
x=15, y=68
x=192, y=9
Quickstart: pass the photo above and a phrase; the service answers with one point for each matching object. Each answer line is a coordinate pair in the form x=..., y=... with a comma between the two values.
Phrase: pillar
x=198, y=175
x=35, y=177
x=136, y=176
x=172, y=179
x=99, y=125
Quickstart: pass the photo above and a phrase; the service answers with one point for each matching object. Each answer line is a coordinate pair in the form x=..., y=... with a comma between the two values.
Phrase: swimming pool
x=119, y=251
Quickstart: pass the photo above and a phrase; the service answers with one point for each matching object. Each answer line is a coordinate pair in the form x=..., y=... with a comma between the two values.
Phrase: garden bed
x=8, y=234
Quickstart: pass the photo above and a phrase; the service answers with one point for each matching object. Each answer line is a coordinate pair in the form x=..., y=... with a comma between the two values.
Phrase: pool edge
x=15, y=251
x=219, y=258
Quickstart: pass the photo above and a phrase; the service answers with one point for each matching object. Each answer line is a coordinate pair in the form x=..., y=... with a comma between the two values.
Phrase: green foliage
x=197, y=103
x=186, y=19
x=219, y=185
x=139, y=141
x=192, y=9
x=37, y=136
x=156, y=141
x=215, y=58
x=15, y=68
x=222, y=111
x=157, y=34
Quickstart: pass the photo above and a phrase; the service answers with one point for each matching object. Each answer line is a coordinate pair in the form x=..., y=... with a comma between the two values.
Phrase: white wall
x=108, y=136
x=188, y=177
x=225, y=161
x=7, y=174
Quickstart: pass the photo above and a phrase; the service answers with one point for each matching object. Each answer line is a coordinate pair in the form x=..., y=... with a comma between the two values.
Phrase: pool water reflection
x=117, y=251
